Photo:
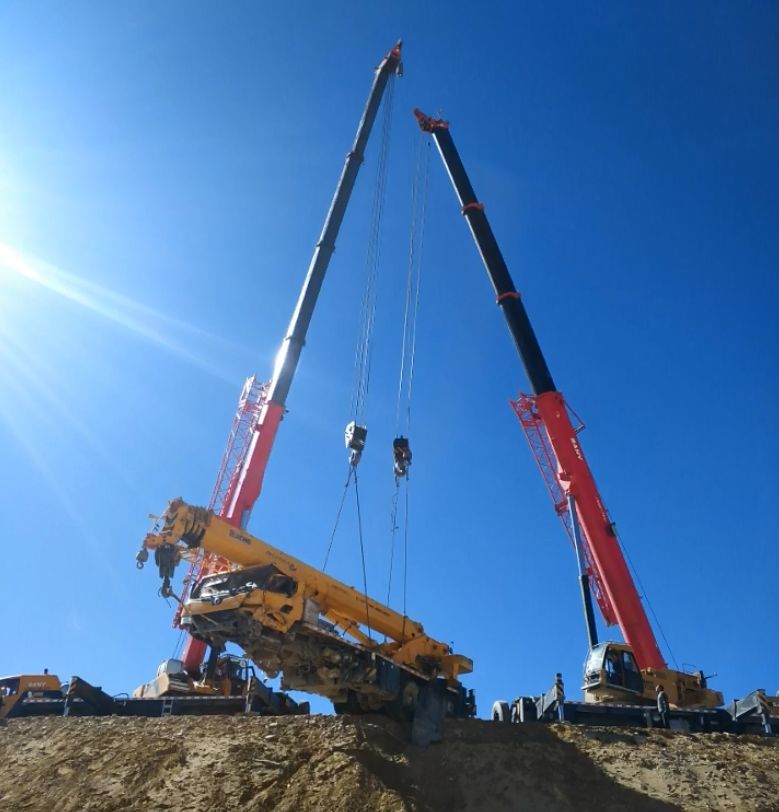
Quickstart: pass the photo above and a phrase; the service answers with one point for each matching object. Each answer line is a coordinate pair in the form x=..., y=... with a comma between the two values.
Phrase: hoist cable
x=177, y=648
x=419, y=190
x=405, y=570
x=409, y=282
x=393, y=532
x=408, y=338
x=363, y=350
x=418, y=288
x=367, y=306
x=362, y=555
x=645, y=597
x=408, y=330
x=338, y=516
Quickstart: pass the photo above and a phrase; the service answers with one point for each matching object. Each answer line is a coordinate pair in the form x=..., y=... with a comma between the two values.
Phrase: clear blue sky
x=164, y=172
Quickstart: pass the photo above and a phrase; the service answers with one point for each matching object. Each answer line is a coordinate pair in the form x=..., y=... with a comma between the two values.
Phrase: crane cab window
x=632, y=675
x=621, y=669
x=611, y=667
x=9, y=687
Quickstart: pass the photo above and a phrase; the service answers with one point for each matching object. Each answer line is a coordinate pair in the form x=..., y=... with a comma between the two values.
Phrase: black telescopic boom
x=507, y=296
x=289, y=354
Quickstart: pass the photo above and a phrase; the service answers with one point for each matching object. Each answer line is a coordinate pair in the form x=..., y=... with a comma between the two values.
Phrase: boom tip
x=429, y=124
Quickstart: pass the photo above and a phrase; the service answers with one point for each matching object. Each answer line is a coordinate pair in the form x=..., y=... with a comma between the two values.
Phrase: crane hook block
x=166, y=557
x=354, y=440
x=141, y=558
x=401, y=454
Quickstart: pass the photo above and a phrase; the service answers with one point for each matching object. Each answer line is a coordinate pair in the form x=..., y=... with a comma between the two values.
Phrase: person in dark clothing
x=662, y=705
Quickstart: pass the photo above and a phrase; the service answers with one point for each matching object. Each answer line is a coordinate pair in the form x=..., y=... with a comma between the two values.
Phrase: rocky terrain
x=184, y=764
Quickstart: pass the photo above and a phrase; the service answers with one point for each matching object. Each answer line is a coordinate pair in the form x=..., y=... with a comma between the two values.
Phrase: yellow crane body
x=295, y=620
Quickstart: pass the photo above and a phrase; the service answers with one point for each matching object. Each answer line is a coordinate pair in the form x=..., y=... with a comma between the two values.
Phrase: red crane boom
x=552, y=434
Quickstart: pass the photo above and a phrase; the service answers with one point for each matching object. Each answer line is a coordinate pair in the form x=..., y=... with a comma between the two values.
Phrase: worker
x=470, y=703
x=765, y=713
x=662, y=705
x=765, y=718
x=559, y=690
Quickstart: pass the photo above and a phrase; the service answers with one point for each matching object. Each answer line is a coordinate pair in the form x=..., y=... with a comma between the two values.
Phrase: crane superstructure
x=613, y=671
x=262, y=405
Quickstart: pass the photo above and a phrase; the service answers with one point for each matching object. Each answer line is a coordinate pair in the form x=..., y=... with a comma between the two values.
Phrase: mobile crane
x=288, y=617
x=243, y=484
x=233, y=689
x=292, y=619
x=614, y=672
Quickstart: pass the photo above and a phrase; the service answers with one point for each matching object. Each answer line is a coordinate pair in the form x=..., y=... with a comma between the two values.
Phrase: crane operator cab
x=611, y=674
x=611, y=671
x=234, y=675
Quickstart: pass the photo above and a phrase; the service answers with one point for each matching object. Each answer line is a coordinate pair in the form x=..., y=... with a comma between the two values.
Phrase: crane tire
x=501, y=711
x=524, y=710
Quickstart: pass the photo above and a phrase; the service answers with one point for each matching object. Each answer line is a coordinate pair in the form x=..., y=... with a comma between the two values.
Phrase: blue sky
x=164, y=172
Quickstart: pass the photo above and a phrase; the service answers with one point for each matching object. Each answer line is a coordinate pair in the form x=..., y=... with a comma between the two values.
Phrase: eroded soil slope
x=342, y=763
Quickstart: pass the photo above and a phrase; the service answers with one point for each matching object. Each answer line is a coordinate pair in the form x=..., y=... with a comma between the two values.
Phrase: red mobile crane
x=262, y=406
x=614, y=671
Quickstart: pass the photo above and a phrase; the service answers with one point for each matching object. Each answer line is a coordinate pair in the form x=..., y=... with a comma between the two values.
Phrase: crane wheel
x=524, y=710
x=501, y=711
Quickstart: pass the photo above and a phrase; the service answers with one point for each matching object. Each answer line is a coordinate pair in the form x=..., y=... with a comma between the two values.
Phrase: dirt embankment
x=343, y=763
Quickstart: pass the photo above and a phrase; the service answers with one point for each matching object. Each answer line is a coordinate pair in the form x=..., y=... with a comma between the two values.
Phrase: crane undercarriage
x=320, y=635
x=313, y=658
x=311, y=655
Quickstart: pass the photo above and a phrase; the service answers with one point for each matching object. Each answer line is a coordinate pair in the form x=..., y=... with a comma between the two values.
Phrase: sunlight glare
x=140, y=319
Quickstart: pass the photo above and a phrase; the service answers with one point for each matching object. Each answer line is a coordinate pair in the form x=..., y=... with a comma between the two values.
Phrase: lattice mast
x=244, y=424
x=244, y=471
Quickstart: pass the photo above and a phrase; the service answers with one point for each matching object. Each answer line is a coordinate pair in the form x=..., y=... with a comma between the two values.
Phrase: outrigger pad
x=428, y=724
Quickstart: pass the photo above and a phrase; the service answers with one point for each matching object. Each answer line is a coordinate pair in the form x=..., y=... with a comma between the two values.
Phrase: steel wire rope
x=399, y=399
x=413, y=340
x=645, y=597
x=408, y=349
x=362, y=555
x=363, y=351
x=405, y=572
x=393, y=531
x=179, y=645
x=366, y=319
x=409, y=281
x=411, y=372
x=338, y=516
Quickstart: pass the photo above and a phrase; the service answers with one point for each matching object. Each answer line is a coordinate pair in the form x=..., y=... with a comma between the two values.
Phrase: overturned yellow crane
x=295, y=620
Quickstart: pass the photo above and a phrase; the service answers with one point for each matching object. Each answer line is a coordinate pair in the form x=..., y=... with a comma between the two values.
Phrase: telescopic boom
x=249, y=481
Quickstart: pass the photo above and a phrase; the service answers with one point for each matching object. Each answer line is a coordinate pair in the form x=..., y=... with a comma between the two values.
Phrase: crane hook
x=141, y=558
x=354, y=440
x=401, y=455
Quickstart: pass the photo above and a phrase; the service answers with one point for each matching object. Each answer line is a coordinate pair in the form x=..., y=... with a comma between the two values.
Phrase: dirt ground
x=339, y=764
